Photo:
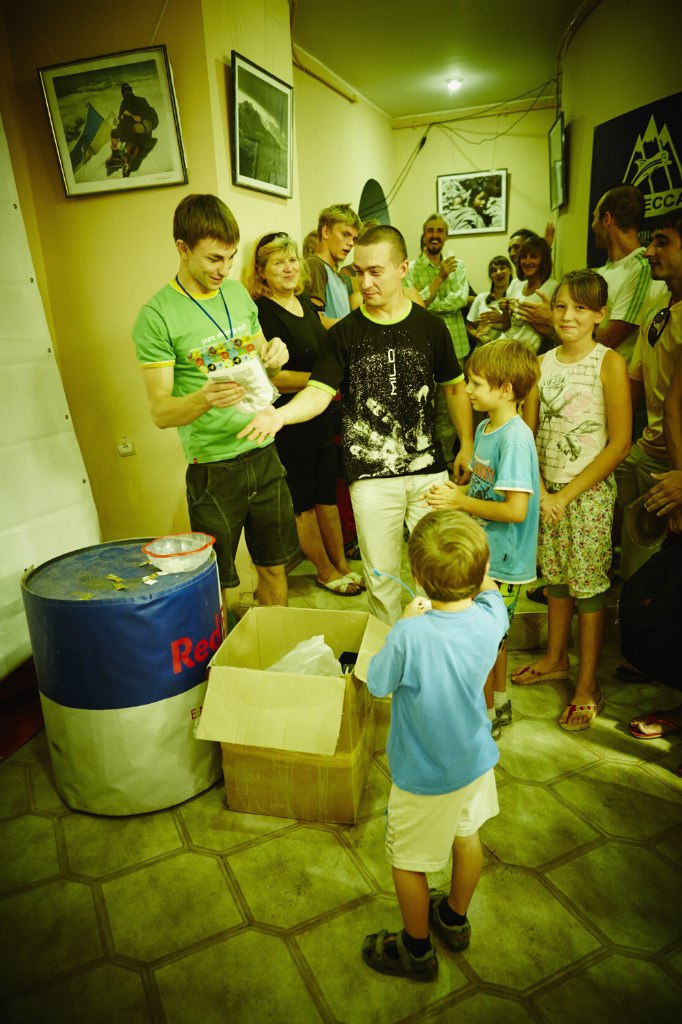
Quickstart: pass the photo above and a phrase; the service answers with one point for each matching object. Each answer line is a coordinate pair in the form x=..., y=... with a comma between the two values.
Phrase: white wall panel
x=46, y=505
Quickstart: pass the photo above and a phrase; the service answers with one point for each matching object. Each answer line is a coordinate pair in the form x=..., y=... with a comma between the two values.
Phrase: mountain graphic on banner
x=655, y=168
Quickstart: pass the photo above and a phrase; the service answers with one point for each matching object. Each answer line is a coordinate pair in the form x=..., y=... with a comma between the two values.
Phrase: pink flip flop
x=527, y=675
x=582, y=709
x=655, y=718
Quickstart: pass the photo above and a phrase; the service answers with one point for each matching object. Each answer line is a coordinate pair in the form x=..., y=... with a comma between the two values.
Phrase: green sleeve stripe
x=321, y=387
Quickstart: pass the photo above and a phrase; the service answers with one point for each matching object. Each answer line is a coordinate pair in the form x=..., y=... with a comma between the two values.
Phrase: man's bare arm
x=615, y=333
x=303, y=407
x=168, y=410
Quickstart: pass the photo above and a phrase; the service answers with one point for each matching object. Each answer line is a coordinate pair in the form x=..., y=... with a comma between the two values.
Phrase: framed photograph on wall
x=114, y=122
x=557, y=164
x=474, y=203
x=262, y=114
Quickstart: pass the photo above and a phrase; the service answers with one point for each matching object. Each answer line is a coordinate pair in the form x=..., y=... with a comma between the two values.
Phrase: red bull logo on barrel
x=186, y=653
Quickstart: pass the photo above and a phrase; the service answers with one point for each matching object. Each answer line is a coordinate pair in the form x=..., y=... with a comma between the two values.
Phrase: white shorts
x=420, y=830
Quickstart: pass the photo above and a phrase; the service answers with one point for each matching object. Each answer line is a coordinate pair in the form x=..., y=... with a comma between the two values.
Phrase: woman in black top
x=307, y=450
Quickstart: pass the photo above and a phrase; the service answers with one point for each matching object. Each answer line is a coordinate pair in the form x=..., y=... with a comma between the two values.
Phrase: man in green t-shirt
x=206, y=367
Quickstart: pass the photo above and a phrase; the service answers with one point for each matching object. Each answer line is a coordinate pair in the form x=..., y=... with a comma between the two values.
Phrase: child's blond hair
x=506, y=362
x=448, y=555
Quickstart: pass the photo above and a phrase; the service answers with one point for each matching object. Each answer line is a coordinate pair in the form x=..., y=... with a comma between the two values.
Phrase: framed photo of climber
x=473, y=203
x=261, y=129
x=114, y=122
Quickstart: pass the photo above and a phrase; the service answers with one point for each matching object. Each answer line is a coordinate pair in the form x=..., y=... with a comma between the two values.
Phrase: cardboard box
x=294, y=746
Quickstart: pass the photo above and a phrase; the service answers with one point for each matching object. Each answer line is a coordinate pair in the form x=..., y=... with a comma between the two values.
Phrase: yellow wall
x=340, y=146
x=261, y=34
x=99, y=258
x=621, y=58
x=102, y=256
x=451, y=149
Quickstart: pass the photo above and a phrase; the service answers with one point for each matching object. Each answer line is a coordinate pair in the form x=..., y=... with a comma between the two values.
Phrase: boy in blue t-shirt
x=504, y=490
x=440, y=749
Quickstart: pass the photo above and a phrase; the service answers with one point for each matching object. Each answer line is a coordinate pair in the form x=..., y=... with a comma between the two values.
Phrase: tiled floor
x=199, y=914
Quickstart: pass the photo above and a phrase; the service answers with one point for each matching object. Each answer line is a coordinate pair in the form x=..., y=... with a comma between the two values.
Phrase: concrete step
x=529, y=629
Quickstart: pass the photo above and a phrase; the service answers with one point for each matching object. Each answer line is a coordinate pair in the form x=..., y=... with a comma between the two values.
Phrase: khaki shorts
x=420, y=830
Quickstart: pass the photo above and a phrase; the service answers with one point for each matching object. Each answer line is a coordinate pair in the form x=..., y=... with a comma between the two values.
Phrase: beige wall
x=98, y=258
x=261, y=34
x=522, y=152
x=621, y=58
x=102, y=256
x=340, y=146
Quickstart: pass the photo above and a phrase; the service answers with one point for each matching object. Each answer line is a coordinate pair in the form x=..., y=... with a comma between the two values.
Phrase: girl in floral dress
x=581, y=414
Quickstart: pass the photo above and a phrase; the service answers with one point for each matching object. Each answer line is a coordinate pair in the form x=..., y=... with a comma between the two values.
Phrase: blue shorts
x=248, y=492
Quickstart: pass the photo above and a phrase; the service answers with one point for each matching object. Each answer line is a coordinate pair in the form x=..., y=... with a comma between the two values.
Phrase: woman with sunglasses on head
x=581, y=414
x=307, y=450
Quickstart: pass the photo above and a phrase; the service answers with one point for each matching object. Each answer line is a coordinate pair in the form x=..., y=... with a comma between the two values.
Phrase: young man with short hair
x=617, y=219
x=338, y=227
x=197, y=323
x=387, y=357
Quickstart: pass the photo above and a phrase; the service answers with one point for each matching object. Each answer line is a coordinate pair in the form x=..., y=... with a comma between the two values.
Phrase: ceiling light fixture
x=454, y=84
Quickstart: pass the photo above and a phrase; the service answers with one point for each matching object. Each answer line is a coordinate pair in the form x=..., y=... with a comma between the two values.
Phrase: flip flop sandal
x=537, y=594
x=654, y=719
x=527, y=675
x=420, y=968
x=582, y=709
x=356, y=578
x=340, y=587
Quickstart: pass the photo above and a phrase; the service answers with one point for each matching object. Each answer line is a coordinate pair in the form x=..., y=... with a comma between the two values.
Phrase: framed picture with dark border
x=114, y=122
x=558, y=192
x=473, y=203
x=262, y=116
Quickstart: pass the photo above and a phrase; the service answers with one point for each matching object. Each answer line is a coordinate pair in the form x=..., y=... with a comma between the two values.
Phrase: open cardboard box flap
x=247, y=705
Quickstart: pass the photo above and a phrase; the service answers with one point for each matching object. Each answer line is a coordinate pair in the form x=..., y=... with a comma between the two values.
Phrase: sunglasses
x=266, y=239
x=657, y=325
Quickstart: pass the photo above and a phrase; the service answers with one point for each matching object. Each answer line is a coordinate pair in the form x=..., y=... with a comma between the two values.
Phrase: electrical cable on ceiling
x=444, y=126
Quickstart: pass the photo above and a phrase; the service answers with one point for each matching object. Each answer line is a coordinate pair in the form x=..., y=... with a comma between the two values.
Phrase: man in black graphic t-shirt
x=387, y=358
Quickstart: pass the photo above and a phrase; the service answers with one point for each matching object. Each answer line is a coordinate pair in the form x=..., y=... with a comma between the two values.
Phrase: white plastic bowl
x=179, y=552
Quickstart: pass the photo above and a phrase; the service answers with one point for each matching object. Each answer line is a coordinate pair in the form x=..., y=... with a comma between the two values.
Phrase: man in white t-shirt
x=617, y=218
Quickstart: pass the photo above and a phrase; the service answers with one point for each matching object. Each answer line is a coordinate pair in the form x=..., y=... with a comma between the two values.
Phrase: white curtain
x=46, y=505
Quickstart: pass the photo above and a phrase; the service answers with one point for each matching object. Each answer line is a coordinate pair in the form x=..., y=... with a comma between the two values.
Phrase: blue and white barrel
x=121, y=656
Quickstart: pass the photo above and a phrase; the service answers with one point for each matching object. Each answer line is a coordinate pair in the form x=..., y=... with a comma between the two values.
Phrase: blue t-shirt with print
x=506, y=459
